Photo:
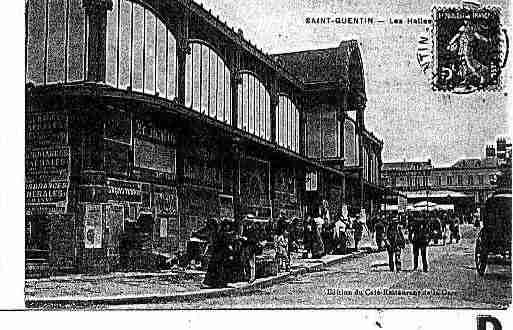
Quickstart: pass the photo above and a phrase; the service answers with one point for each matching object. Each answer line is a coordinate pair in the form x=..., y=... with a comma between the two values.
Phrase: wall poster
x=114, y=215
x=93, y=226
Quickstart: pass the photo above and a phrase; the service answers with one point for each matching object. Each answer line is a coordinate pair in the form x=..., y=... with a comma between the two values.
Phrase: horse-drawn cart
x=493, y=243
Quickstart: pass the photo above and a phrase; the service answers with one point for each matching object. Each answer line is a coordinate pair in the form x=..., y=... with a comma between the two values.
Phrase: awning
x=436, y=194
x=432, y=206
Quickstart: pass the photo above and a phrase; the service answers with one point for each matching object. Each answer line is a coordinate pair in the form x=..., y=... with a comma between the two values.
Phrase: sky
x=414, y=122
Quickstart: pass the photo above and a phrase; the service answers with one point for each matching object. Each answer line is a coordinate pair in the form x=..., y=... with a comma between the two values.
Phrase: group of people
x=232, y=250
x=232, y=246
x=322, y=235
x=421, y=229
x=390, y=237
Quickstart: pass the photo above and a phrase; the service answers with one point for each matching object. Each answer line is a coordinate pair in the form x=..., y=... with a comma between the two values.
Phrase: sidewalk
x=165, y=286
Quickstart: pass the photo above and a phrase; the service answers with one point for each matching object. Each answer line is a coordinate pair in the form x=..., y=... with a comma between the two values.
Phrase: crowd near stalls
x=243, y=250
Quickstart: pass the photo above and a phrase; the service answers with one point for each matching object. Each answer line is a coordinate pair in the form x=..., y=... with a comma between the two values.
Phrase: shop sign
x=46, y=192
x=47, y=175
x=93, y=226
x=46, y=128
x=119, y=190
x=47, y=163
x=52, y=208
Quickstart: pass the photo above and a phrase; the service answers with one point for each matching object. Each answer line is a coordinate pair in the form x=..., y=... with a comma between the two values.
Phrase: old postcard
x=268, y=155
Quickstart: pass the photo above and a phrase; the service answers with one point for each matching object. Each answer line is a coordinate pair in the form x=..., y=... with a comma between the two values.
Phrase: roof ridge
x=348, y=42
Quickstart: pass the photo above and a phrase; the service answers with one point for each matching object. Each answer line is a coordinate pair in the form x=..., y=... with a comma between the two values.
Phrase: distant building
x=474, y=178
x=407, y=176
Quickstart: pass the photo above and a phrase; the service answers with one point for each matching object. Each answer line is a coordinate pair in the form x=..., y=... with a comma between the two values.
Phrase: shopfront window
x=287, y=123
x=141, y=51
x=208, y=83
x=55, y=41
x=254, y=106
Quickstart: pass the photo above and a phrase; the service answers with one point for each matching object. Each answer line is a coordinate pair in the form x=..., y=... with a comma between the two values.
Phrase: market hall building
x=157, y=113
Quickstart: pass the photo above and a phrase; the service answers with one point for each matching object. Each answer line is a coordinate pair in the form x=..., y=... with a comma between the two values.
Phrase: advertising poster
x=163, y=227
x=93, y=226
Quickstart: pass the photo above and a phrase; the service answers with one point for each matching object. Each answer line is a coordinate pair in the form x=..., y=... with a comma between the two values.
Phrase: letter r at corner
x=483, y=320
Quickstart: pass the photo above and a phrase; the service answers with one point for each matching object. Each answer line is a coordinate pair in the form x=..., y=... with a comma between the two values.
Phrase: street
x=366, y=282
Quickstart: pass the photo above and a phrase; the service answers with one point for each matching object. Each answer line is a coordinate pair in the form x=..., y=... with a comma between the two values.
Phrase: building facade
x=471, y=179
x=157, y=113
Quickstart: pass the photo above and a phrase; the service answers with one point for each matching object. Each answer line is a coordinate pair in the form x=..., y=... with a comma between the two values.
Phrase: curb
x=188, y=296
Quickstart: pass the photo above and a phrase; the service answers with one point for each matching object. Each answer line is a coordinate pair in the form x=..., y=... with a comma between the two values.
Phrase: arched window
x=254, y=107
x=141, y=51
x=55, y=42
x=287, y=123
x=350, y=144
x=208, y=83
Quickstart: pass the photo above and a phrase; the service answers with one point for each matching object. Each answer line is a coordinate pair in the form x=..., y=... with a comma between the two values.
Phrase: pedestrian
x=249, y=248
x=281, y=245
x=327, y=227
x=308, y=233
x=394, y=243
x=293, y=229
x=215, y=275
x=379, y=229
x=420, y=239
x=327, y=237
x=454, y=228
x=339, y=236
x=282, y=222
x=358, y=232
x=317, y=244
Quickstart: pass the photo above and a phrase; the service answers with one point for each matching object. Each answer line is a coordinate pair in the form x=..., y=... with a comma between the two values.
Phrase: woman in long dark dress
x=317, y=244
x=215, y=276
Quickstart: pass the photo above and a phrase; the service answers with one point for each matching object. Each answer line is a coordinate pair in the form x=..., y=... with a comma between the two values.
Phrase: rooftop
x=319, y=65
x=407, y=166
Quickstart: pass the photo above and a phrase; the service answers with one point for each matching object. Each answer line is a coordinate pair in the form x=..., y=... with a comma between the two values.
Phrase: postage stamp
x=469, y=48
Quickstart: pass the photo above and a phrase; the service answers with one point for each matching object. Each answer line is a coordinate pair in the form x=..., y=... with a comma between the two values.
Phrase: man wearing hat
x=394, y=243
x=420, y=240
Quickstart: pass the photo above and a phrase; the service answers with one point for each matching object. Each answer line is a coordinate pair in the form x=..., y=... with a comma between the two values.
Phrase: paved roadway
x=451, y=282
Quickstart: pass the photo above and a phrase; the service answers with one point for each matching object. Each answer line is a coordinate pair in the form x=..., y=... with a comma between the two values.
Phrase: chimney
x=490, y=151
